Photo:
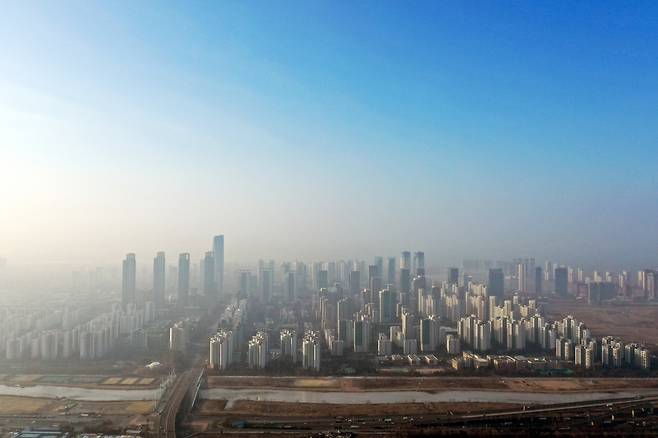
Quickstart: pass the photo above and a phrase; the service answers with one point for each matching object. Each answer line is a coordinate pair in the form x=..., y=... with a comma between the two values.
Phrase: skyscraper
x=405, y=260
x=390, y=278
x=266, y=277
x=539, y=278
x=419, y=263
x=405, y=280
x=245, y=277
x=548, y=270
x=291, y=290
x=379, y=262
x=374, y=282
x=129, y=271
x=183, y=277
x=209, y=285
x=361, y=336
x=453, y=275
x=355, y=281
x=323, y=279
x=218, y=268
x=159, y=267
x=522, y=277
x=561, y=281
x=496, y=286
x=386, y=305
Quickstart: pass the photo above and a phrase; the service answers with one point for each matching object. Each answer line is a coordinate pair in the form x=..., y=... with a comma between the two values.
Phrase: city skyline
x=155, y=126
x=326, y=218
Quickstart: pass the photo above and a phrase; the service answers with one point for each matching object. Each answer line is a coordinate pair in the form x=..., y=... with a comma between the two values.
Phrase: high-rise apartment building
x=258, y=351
x=129, y=272
x=429, y=334
x=496, y=285
x=539, y=280
x=218, y=267
x=289, y=344
x=386, y=305
x=522, y=277
x=311, y=351
x=209, y=285
x=183, y=277
x=561, y=281
x=419, y=263
x=159, y=284
x=453, y=275
x=354, y=283
x=361, y=335
x=291, y=286
x=221, y=350
x=405, y=281
x=390, y=266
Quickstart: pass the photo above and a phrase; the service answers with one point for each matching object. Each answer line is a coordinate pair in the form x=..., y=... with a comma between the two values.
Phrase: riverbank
x=77, y=393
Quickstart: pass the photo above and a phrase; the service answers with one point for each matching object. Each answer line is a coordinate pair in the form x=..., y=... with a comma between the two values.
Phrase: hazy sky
x=319, y=129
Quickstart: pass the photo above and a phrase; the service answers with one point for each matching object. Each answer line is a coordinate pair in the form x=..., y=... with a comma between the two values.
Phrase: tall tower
x=405, y=272
x=291, y=289
x=390, y=278
x=183, y=277
x=419, y=263
x=374, y=283
x=354, y=282
x=218, y=253
x=453, y=275
x=561, y=281
x=159, y=267
x=522, y=276
x=209, y=285
x=539, y=278
x=379, y=262
x=496, y=285
x=129, y=270
x=405, y=260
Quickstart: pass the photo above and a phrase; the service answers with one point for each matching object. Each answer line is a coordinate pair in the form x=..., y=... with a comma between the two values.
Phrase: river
x=527, y=398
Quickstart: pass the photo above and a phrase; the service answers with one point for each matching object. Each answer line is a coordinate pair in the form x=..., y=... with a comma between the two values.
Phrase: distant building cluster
x=70, y=334
x=174, y=283
x=596, y=287
x=393, y=310
x=572, y=341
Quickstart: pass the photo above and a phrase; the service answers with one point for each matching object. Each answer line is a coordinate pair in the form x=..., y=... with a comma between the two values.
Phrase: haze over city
x=328, y=219
x=308, y=130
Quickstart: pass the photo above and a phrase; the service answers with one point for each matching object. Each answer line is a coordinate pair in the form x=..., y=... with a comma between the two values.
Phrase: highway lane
x=608, y=403
x=180, y=388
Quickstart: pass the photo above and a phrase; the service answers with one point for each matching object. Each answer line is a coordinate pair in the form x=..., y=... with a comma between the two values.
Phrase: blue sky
x=328, y=129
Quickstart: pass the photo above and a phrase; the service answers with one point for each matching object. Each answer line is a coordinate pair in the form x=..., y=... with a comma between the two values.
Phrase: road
x=578, y=406
x=167, y=424
x=184, y=382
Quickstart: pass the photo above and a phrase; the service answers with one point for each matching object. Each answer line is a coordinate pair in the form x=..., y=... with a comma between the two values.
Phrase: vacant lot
x=85, y=381
x=26, y=406
x=114, y=408
x=11, y=405
x=631, y=322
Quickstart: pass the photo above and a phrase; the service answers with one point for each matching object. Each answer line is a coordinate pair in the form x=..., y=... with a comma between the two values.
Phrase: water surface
x=333, y=397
